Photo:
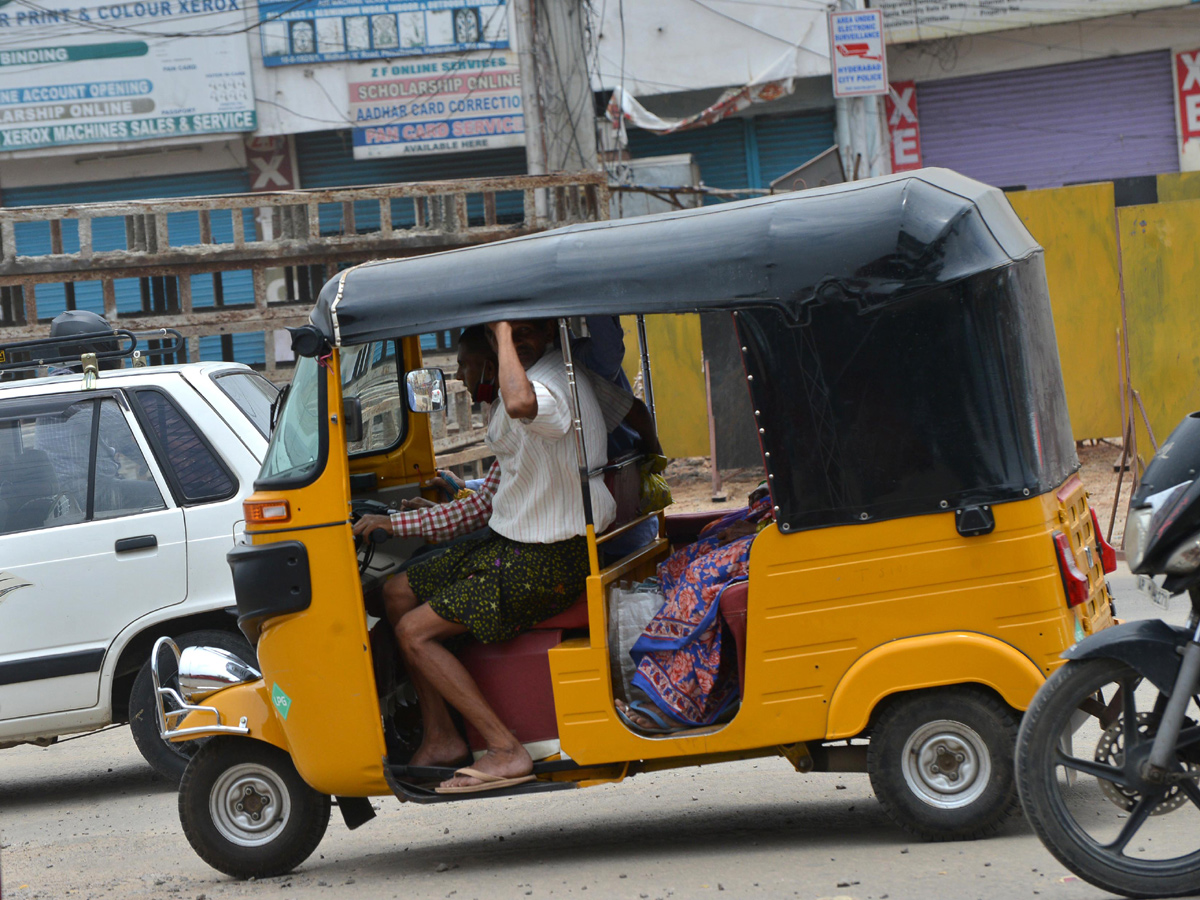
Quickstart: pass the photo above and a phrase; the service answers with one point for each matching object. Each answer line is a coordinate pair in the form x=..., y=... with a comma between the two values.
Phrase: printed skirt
x=498, y=588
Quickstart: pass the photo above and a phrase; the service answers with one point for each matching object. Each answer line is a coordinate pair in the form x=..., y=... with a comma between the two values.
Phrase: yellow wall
x=675, y=368
x=1076, y=226
x=1162, y=271
x=1178, y=186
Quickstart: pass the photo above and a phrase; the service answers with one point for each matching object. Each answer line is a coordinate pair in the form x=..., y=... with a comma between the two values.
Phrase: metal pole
x=647, y=385
x=564, y=334
x=718, y=493
x=531, y=105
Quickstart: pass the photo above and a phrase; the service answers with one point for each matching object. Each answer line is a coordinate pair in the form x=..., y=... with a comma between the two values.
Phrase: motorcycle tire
x=1044, y=794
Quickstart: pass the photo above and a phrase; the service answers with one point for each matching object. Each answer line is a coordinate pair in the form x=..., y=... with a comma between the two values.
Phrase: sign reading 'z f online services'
x=437, y=105
x=102, y=73
x=338, y=30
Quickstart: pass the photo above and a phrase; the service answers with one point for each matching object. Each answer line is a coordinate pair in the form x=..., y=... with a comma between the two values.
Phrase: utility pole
x=556, y=88
x=861, y=130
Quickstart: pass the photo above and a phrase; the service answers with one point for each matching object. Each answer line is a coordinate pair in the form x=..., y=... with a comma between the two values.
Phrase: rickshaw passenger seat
x=733, y=611
x=574, y=617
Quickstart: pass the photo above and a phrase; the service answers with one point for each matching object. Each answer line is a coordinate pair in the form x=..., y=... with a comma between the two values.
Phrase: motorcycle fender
x=1148, y=646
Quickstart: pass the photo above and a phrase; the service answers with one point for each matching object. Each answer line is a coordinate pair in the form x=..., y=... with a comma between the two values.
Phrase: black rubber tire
x=993, y=723
x=167, y=759
x=308, y=816
x=1037, y=781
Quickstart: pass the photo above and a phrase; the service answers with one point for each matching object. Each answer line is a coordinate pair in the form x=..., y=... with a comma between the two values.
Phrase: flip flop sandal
x=487, y=782
x=661, y=724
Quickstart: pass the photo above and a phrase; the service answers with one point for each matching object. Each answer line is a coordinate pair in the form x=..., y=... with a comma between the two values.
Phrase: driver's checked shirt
x=444, y=521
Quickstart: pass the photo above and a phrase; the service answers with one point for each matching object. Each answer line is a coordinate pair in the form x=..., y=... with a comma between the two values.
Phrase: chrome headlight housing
x=205, y=670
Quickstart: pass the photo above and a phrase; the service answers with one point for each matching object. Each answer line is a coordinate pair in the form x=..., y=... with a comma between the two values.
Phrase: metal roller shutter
x=109, y=234
x=1087, y=121
x=326, y=159
x=743, y=152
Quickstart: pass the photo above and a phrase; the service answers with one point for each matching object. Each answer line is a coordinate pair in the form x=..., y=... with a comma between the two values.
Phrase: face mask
x=485, y=392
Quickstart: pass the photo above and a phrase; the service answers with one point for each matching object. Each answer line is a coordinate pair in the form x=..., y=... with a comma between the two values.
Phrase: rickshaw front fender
x=251, y=701
x=931, y=660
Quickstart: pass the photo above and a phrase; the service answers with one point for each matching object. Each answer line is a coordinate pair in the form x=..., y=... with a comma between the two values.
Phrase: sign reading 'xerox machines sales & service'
x=122, y=72
x=437, y=105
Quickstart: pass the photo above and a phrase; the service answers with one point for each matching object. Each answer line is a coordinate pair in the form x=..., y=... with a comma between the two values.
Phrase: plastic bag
x=630, y=609
x=653, y=493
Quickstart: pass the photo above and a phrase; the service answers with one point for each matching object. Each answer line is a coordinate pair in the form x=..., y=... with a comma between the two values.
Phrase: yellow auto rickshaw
x=932, y=551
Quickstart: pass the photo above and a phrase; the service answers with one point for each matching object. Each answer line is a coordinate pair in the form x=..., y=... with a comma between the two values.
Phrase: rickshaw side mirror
x=426, y=390
x=352, y=413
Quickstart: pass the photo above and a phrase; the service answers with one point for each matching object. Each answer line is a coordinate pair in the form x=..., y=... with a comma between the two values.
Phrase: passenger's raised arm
x=520, y=401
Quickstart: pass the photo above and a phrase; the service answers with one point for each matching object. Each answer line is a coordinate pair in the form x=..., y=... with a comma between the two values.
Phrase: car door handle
x=141, y=542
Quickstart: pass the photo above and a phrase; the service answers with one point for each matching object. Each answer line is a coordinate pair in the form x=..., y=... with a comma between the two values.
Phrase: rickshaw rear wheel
x=941, y=763
x=247, y=812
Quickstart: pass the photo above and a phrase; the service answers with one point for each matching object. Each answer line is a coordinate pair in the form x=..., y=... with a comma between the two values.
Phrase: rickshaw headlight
x=205, y=670
x=1186, y=559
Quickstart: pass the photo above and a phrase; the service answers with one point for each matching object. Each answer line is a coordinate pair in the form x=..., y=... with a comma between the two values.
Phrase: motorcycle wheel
x=1079, y=756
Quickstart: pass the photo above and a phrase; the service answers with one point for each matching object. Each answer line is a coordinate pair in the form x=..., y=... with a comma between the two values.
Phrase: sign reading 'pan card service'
x=338, y=30
x=92, y=74
x=437, y=105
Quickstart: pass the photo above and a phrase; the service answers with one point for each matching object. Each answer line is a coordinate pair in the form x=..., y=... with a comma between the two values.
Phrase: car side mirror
x=352, y=413
x=426, y=390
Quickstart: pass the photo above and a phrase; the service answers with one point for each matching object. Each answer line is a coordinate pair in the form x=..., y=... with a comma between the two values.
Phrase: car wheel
x=247, y=812
x=167, y=759
x=941, y=763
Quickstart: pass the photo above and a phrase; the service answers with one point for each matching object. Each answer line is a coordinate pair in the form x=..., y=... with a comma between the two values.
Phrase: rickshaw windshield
x=297, y=443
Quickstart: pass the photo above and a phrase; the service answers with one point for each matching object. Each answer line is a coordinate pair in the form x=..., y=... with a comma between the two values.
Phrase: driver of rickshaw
x=532, y=566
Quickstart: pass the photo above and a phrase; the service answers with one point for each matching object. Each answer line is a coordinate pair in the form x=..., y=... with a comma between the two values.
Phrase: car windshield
x=295, y=449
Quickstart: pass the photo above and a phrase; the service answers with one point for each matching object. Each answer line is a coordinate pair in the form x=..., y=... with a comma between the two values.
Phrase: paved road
x=87, y=819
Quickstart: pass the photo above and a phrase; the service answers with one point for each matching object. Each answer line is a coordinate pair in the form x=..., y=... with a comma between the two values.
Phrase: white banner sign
x=437, y=105
x=120, y=72
x=856, y=53
x=922, y=20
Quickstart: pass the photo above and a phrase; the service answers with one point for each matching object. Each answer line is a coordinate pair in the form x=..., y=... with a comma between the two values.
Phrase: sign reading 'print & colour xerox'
x=313, y=31
x=437, y=105
x=121, y=72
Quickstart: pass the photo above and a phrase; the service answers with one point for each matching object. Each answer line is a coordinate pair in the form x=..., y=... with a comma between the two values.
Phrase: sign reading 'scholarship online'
x=437, y=105
x=122, y=72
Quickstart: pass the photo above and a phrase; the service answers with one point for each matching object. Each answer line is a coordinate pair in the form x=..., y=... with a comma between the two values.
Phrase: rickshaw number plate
x=1157, y=595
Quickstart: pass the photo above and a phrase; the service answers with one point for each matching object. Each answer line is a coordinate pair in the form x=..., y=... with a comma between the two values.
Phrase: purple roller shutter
x=1086, y=121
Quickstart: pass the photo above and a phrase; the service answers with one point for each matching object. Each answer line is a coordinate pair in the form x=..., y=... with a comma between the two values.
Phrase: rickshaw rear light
x=258, y=512
x=1108, y=556
x=1075, y=582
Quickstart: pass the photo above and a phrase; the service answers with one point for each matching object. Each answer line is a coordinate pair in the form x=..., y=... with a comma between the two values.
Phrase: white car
x=118, y=504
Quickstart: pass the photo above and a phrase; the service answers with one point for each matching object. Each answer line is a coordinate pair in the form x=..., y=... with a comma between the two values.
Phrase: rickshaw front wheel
x=247, y=812
x=941, y=763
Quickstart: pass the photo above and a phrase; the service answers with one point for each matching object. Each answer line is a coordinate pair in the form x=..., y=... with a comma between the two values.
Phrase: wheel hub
x=249, y=804
x=946, y=764
x=1110, y=750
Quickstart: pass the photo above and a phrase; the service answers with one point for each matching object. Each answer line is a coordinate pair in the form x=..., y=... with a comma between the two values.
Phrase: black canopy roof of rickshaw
x=880, y=240
x=896, y=333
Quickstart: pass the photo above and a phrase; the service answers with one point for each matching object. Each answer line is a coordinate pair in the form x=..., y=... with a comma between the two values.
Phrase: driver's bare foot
x=441, y=753
x=507, y=762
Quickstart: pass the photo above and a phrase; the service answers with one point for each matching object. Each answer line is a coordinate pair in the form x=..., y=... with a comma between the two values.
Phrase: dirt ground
x=691, y=484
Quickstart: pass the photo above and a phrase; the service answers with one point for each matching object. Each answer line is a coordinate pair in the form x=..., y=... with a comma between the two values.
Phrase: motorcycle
x=1108, y=754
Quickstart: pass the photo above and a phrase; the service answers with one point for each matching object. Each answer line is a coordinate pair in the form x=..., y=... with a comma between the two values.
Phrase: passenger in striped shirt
x=533, y=565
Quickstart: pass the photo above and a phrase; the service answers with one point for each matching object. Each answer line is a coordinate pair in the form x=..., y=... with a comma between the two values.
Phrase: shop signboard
x=314, y=31
x=856, y=53
x=122, y=72
x=437, y=105
x=923, y=20
x=1187, y=107
x=904, y=129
